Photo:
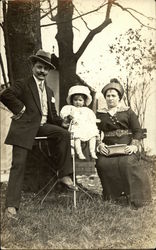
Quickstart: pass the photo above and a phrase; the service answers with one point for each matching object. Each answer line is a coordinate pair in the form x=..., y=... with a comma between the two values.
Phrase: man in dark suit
x=33, y=106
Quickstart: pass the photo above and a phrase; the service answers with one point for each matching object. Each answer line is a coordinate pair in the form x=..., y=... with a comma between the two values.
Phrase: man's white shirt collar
x=37, y=80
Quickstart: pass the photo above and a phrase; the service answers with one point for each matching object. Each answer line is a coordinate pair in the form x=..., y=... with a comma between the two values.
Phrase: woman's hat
x=113, y=85
x=42, y=56
x=79, y=89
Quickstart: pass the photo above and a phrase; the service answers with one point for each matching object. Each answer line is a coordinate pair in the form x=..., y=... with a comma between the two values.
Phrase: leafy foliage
x=135, y=55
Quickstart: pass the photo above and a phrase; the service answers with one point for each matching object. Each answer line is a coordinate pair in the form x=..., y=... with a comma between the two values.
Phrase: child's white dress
x=84, y=126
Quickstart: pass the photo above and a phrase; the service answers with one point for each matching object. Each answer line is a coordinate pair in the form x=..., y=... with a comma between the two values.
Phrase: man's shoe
x=11, y=212
x=67, y=181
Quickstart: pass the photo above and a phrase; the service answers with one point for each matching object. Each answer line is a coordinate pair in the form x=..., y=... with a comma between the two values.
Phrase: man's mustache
x=41, y=74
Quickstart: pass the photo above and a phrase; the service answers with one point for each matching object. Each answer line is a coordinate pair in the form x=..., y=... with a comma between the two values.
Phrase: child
x=83, y=119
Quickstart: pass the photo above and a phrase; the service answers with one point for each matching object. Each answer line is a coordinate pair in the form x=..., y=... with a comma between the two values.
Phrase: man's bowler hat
x=42, y=56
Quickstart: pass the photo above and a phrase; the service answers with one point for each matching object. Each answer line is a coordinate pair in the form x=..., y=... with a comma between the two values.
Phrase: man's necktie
x=41, y=86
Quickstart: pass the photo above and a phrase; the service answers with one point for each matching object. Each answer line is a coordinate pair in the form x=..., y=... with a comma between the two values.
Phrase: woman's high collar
x=112, y=111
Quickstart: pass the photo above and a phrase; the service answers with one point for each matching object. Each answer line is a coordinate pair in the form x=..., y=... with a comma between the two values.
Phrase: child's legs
x=92, y=144
x=78, y=149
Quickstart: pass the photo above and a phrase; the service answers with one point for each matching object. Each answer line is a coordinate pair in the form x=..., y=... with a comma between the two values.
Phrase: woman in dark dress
x=121, y=173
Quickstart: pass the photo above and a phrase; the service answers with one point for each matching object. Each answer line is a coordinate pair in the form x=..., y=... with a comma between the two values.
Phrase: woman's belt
x=118, y=133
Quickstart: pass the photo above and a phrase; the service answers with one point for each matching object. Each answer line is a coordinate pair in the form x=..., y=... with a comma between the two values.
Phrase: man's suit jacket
x=25, y=93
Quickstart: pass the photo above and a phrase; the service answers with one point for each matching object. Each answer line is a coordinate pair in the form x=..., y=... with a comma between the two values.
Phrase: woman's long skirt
x=124, y=174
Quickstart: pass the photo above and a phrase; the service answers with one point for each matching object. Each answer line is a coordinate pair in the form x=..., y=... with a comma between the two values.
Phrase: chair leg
x=49, y=191
x=55, y=176
x=42, y=189
x=85, y=192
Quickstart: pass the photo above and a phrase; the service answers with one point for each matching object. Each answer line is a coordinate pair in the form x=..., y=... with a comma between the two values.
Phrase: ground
x=93, y=224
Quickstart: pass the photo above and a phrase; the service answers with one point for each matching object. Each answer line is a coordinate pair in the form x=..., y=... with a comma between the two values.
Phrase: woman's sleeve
x=99, y=124
x=135, y=125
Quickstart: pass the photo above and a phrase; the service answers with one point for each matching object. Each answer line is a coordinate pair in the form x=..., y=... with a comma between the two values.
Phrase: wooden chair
x=42, y=143
x=79, y=168
x=40, y=167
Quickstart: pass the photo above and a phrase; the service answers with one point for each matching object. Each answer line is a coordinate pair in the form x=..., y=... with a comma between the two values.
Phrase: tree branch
x=92, y=11
x=82, y=18
x=110, y=2
x=49, y=12
x=148, y=17
x=74, y=18
x=127, y=10
x=95, y=31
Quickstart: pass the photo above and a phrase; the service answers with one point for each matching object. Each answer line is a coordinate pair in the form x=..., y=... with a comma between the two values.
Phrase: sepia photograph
x=78, y=124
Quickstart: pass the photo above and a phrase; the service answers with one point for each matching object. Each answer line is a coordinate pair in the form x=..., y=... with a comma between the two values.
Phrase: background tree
x=64, y=18
x=25, y=15
x=67, y=58
x=134, y=57
x=22, y=35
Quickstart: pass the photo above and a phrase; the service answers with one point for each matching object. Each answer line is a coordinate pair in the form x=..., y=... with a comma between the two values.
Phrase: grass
x=94, y=224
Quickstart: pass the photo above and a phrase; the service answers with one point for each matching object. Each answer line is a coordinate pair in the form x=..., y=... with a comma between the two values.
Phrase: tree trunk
x=22, y=39
x=67, y=62
x=22, y=24
x=67, y=58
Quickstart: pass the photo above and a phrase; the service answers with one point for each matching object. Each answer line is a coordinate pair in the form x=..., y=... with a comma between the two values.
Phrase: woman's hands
x=102, y=149
x=131, y=149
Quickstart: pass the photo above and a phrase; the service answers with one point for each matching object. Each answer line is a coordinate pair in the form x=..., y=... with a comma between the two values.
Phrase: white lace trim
x=119, y=109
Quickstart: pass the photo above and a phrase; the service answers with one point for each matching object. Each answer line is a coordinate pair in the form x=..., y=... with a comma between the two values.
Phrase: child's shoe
x=81, y=156
x=93, y=155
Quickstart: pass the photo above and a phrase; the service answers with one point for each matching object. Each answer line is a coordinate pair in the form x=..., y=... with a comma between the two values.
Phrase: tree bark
x=67, y=58
x=67, y=63
x=23, y=35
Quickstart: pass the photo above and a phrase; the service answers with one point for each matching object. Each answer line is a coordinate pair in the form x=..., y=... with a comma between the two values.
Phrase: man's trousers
x=61, y=139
